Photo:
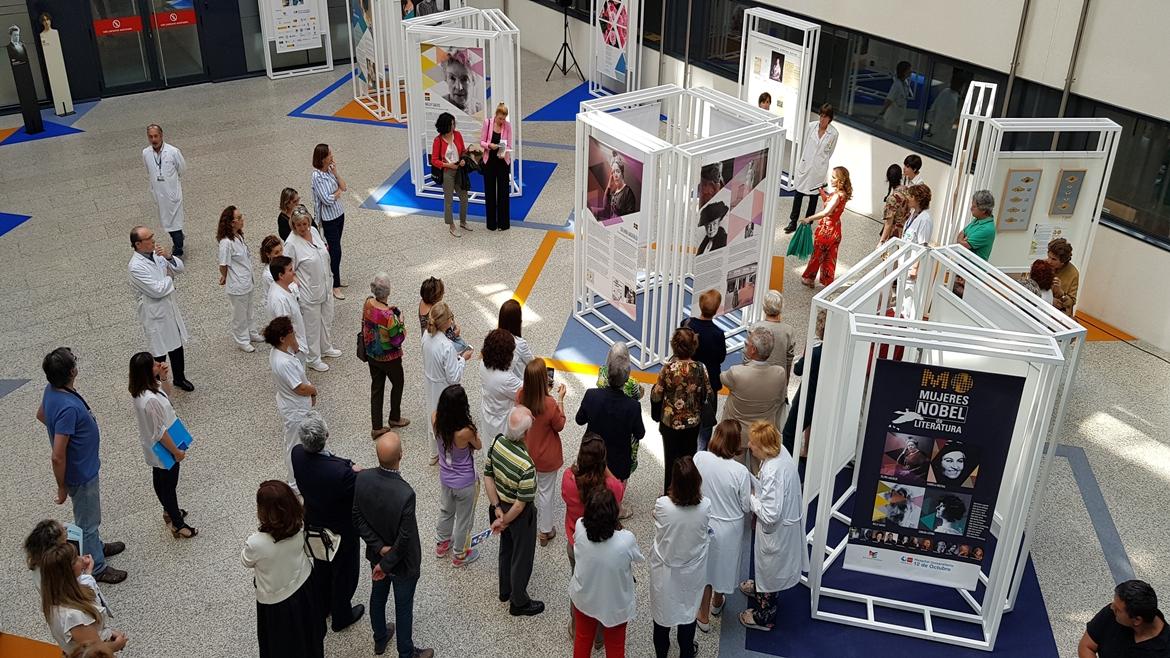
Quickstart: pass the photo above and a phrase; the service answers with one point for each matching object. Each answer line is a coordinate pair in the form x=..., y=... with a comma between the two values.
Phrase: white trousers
x=243, y=318
x=546, y=490
x=292, y=430
x=318, y=317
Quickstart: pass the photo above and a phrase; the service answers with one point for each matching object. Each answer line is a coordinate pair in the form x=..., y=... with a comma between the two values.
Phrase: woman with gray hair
x=783, y=343
x=619, y=355
x=310, y=257
x=383, y=333
x=611, y=413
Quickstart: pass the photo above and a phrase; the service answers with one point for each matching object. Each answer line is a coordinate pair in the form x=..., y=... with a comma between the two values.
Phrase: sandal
x=186, y=532
x=465, y=227
x=716, y=610
x=167, y=517
x=748, y=619
x=453, y=231
x=545, y=538
x=748, y=587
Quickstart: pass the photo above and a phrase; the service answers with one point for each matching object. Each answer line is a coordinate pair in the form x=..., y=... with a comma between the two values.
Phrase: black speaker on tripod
x=566, y=51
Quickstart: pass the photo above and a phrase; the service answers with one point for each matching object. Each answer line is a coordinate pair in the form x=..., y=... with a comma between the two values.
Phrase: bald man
x=383, y=512
x=509, y=479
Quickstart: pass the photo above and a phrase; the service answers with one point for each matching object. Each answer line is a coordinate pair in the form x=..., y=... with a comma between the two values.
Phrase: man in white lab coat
x=820, y=140
x=152, y=271
x=164, y=167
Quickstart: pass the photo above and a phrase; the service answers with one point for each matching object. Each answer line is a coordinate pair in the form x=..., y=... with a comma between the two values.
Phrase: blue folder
x=182, y=439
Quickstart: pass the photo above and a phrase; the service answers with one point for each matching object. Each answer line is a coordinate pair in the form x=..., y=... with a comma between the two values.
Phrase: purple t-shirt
x=457, y=469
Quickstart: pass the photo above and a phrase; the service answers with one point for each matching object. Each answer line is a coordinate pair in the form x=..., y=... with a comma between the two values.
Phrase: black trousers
x=686, y=640
x=497, y=185
x=676, y=444
x=177, y=363
x=379, y=372
x=797, y=197
x=166, y=484
x=176, y=243
x=333, y=231
x=517, y=551
x=337, y=581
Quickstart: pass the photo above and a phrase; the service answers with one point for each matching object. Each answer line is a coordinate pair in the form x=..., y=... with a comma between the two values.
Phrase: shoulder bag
x=710, y=399
x=321, y=543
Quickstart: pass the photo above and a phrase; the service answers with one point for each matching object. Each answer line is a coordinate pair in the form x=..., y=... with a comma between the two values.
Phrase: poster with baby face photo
x=731, y=200
x=613, y=190
x=453, y=81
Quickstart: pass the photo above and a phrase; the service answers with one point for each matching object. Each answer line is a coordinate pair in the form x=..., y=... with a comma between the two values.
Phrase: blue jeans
x=87, y=514
x=403, y=612
x=704, y=437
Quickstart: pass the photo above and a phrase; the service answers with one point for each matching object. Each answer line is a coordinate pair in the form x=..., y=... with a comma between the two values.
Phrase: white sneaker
x=256, y=338
x=332, y=354
x=246, y=348
x=319, y=366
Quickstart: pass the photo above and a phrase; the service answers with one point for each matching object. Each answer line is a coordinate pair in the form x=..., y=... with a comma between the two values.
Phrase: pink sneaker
x=466, y=558
x=442, y=548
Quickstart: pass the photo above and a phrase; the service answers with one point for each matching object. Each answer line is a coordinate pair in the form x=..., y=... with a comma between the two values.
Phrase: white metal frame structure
x=978, y=106
x=604, y=85
x=995, y=326
x=702, y=125
x=269, y=32
x=494, y=32
x=755, y=33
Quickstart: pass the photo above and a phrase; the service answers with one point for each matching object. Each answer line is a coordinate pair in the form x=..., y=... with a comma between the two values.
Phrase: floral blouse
x=682, y=386
x=382, y=332
x=896, y=211
x=828, y=230
x=631, y=388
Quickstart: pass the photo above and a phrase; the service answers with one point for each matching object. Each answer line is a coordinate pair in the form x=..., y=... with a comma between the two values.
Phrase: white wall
x=1124, y=286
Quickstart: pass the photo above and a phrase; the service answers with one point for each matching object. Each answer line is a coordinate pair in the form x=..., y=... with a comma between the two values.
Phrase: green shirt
x=981, y=235
x=509, y=465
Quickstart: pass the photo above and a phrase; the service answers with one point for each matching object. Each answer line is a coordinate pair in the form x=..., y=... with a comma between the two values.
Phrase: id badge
x=161, y=179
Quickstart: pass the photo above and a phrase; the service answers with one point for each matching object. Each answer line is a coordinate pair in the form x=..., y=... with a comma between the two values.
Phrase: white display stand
x=792, y=93
x=55, y=67
x=995, y=327
x=635, y=276
x=294, y=28
x=486, y=39
x=613, y=65
x=978, y=106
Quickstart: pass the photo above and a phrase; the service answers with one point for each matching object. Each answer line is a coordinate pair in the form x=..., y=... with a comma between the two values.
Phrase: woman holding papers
x=496, y=140
x=149, y=386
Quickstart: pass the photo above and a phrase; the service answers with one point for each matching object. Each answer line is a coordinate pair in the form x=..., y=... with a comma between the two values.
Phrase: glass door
x=147, y=44
x=176, y=32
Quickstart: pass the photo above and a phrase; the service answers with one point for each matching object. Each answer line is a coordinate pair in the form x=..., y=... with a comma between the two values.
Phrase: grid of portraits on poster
x=932, y=461
x=728, y=234
x=774, y=67
x=613, y=21
x=613, y=200
x=453, y=80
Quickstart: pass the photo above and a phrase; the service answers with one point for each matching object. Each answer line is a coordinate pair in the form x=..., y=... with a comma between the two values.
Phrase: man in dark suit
x=326, y=482
x=383, y=511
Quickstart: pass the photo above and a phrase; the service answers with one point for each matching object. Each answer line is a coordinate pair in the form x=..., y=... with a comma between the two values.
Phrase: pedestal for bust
x=25, y=89
x=55, y=67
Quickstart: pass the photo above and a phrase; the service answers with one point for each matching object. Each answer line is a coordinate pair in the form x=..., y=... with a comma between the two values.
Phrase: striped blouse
x=325, y=207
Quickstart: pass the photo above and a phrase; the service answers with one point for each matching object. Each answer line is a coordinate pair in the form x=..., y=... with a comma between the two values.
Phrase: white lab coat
x=678, y=561
x=497, y=399
x=813, y=168
x=521, y=357
x=311, y=263
x=780, y=548
x=894, y=118
x=157, y=310
x=167, y=193
x=442, y=366
x=728, y=485
x=284, y=302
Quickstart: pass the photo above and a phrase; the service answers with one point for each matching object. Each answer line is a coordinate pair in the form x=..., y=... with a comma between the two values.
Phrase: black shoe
x=110, y=549
x=791, y=228
x=110, y=576
x=380, y=647
x=504, y=597
x=533, y=608
x=184, y=384
x=423, y=653
x=355, y=613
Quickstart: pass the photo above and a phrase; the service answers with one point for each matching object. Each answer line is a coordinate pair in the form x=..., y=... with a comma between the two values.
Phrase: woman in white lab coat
x=235, y=274
x=442, y=365
x=780, y=552
x=820, y=140
x=499, y=384
x=728, y=485
x=152, y=272
x=295, y=395
x=310, y=257
x=678, y=559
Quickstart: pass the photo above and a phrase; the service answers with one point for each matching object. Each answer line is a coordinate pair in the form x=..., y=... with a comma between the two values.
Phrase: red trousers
x=615, y=637
x=823, y=258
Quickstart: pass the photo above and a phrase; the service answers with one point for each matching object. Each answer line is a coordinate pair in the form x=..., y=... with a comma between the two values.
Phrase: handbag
x=710, y=399
x=655, y=409
x=437, y=174
x=321, y=543
x=361, y=348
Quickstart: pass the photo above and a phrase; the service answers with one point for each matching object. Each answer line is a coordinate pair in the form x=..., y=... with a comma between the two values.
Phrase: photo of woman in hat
x=711, y=219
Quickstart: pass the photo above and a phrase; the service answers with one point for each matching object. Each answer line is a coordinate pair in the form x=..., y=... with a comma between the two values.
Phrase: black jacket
x=326, y=482
x=383, y=512
x=712, y=350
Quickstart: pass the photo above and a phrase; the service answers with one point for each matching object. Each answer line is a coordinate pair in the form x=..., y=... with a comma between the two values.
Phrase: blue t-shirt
x=66, y=413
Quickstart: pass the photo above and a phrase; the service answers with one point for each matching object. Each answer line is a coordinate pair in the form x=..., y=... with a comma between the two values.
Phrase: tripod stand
x=565, y=53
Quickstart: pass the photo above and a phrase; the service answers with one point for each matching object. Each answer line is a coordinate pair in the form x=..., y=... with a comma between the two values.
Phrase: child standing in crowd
x=431, y=292
x=827, y=236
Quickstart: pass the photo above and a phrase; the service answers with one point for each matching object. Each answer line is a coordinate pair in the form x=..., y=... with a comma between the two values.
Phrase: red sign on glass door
x=175, y=18
x=120, y=25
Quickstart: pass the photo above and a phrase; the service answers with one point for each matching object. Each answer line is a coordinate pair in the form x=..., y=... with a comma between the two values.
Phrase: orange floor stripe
x=4, y=134
x=1099, y=330
x=536, y=265
x=590, y=369
x=14, y=646
x=776, y=280
x=354, y=110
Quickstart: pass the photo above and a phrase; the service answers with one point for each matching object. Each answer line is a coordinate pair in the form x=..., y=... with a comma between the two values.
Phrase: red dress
x=826, y=239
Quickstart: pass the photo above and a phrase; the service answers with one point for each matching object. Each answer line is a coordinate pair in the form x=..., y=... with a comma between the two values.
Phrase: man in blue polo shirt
x=74, y=437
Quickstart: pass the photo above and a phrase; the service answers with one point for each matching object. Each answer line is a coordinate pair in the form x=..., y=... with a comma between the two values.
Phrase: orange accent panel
x=354, y=110
x=776, y=280
x=5, y=133
x=1099, y=330
x=12, y=646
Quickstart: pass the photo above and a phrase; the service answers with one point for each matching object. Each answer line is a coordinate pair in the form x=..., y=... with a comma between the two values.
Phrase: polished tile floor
x=63, y=282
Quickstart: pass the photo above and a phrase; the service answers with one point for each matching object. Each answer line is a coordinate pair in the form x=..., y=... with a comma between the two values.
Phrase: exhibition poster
x=936, y=442
x=731, y=217
x=775, y=69
x=613, y=22
x=1018, y=199
x=1068, y=191
x=423, y=8
x=613, y=199
x=296, y=24
x=453, y=81
x=365, y=61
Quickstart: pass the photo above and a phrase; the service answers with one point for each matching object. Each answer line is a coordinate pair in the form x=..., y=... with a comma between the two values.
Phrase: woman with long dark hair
x=457, y=440
x=896, y=208
x=235, y=274
x=511, y=318
x=678, y=558
x=151, y=390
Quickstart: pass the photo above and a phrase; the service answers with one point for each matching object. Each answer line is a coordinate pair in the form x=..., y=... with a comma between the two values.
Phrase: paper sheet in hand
x=480, y=536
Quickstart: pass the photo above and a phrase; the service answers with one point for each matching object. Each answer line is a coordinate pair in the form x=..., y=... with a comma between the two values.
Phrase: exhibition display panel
x=614, y=46
x=784, y=68
x=667, y=210
x=287, y=28
x=955, y=203
x=942, y=387
x=451, y=58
